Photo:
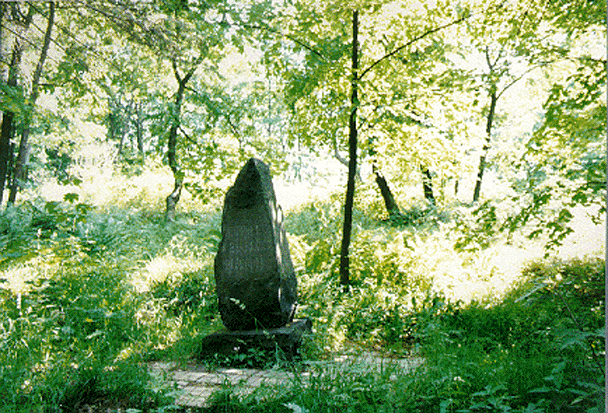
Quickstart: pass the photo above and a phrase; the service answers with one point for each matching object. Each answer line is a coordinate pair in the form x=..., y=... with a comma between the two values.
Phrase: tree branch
x=414, y=40
x=43, y=54
x=176, y=71
x=518, y=78
x=122, y=14
x=287, y=36
x=233, y=127
x=188, y=138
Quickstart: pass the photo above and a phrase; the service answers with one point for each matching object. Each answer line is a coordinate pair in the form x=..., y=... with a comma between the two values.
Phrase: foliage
x=94, y=283
x=519, y=355
x=539, y=345
x=92, y=292
x=403, y=63
x=81, y=311
x=65, y=342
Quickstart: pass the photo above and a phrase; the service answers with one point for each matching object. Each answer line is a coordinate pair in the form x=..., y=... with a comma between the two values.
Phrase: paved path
x=197, y=384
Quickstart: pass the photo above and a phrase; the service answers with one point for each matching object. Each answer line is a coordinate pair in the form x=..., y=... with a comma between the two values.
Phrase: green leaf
x=71, y=197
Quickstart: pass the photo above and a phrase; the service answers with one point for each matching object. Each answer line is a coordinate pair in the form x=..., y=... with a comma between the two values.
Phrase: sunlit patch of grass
x=102, y=185
x=492, y=272
x=488, y=273
x=588, y=238
x=157, y=270
x=398, y=271
x=53, y=191
x=110, y=188
x=19, y=277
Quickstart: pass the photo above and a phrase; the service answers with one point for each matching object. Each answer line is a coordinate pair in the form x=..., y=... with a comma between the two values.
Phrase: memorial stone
x=255, y=279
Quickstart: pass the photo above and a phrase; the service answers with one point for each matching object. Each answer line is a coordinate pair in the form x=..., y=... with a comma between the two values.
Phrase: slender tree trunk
x=178, y=176
x=3, y=7
x=119, y=132
x=387, y=195
x=139, y=131
x=8, y=118
x=486, y=146
x=5, y=149
x=118, y=119
x=178, y=180
x=121, y=145
x=352, y=164
x=427, y=184
x=20, y=172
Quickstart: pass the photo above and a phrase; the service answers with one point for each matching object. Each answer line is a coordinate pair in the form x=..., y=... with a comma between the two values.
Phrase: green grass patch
x=90, y=295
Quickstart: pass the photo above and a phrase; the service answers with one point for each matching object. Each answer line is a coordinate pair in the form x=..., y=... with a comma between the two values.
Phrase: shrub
x=539, y=347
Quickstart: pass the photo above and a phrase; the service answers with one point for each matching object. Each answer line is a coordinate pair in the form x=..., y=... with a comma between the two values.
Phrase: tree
x=20, y=168
x=563, y=165
x=427, y=185
x=387, y=195
x=508, y=38
x=322, y=99
x=352, y=164
x=182, y=81
x=12, y=104
x=181, y=38
x=555, y=166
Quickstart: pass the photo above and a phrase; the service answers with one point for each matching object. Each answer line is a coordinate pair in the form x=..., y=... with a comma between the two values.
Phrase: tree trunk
x=178, y=180
x=3, y=7
x=121, y=143
x=139, y=132
x=117, y=123
x=8, y=118
x=5, y=149
x=352, y=164
x=178, y=176
x=20, y=171
x=387, y=195
x=486, y=146
x=427, y=184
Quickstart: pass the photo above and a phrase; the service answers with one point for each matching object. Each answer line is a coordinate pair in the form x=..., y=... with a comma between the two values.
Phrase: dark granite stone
x=231, y=343
x=254, y=275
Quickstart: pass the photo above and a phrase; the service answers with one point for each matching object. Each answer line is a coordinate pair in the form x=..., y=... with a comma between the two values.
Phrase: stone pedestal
x=231, y=343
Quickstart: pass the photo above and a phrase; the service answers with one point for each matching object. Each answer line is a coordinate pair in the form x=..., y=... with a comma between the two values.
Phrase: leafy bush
x=75, y=329
x=68, y=342
x=395, y=272
x=514, y=355
x=87, y=295
x=539, y=347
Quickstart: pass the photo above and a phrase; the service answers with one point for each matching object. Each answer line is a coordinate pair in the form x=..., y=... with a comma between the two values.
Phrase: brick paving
x=196, y=384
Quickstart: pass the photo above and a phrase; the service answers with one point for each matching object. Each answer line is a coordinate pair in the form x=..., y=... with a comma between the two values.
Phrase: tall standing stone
x=254, y=275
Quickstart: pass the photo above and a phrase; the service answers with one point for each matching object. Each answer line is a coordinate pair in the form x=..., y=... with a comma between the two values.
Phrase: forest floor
x=195, y=383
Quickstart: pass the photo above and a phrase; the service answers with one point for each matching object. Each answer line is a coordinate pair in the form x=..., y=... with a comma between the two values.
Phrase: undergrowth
x=90, y=295
x=539, y=350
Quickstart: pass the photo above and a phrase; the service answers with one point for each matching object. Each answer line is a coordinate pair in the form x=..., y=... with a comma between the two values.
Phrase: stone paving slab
x=196, y=384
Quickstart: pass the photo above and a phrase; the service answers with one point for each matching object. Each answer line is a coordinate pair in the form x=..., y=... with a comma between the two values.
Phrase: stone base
x=231, y=343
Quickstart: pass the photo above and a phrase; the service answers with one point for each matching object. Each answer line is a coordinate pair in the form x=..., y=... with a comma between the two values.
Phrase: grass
x=90, y=293
x=527, y=353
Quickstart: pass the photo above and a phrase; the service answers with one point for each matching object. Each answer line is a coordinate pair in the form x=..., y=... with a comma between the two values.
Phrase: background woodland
x=442, y=167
